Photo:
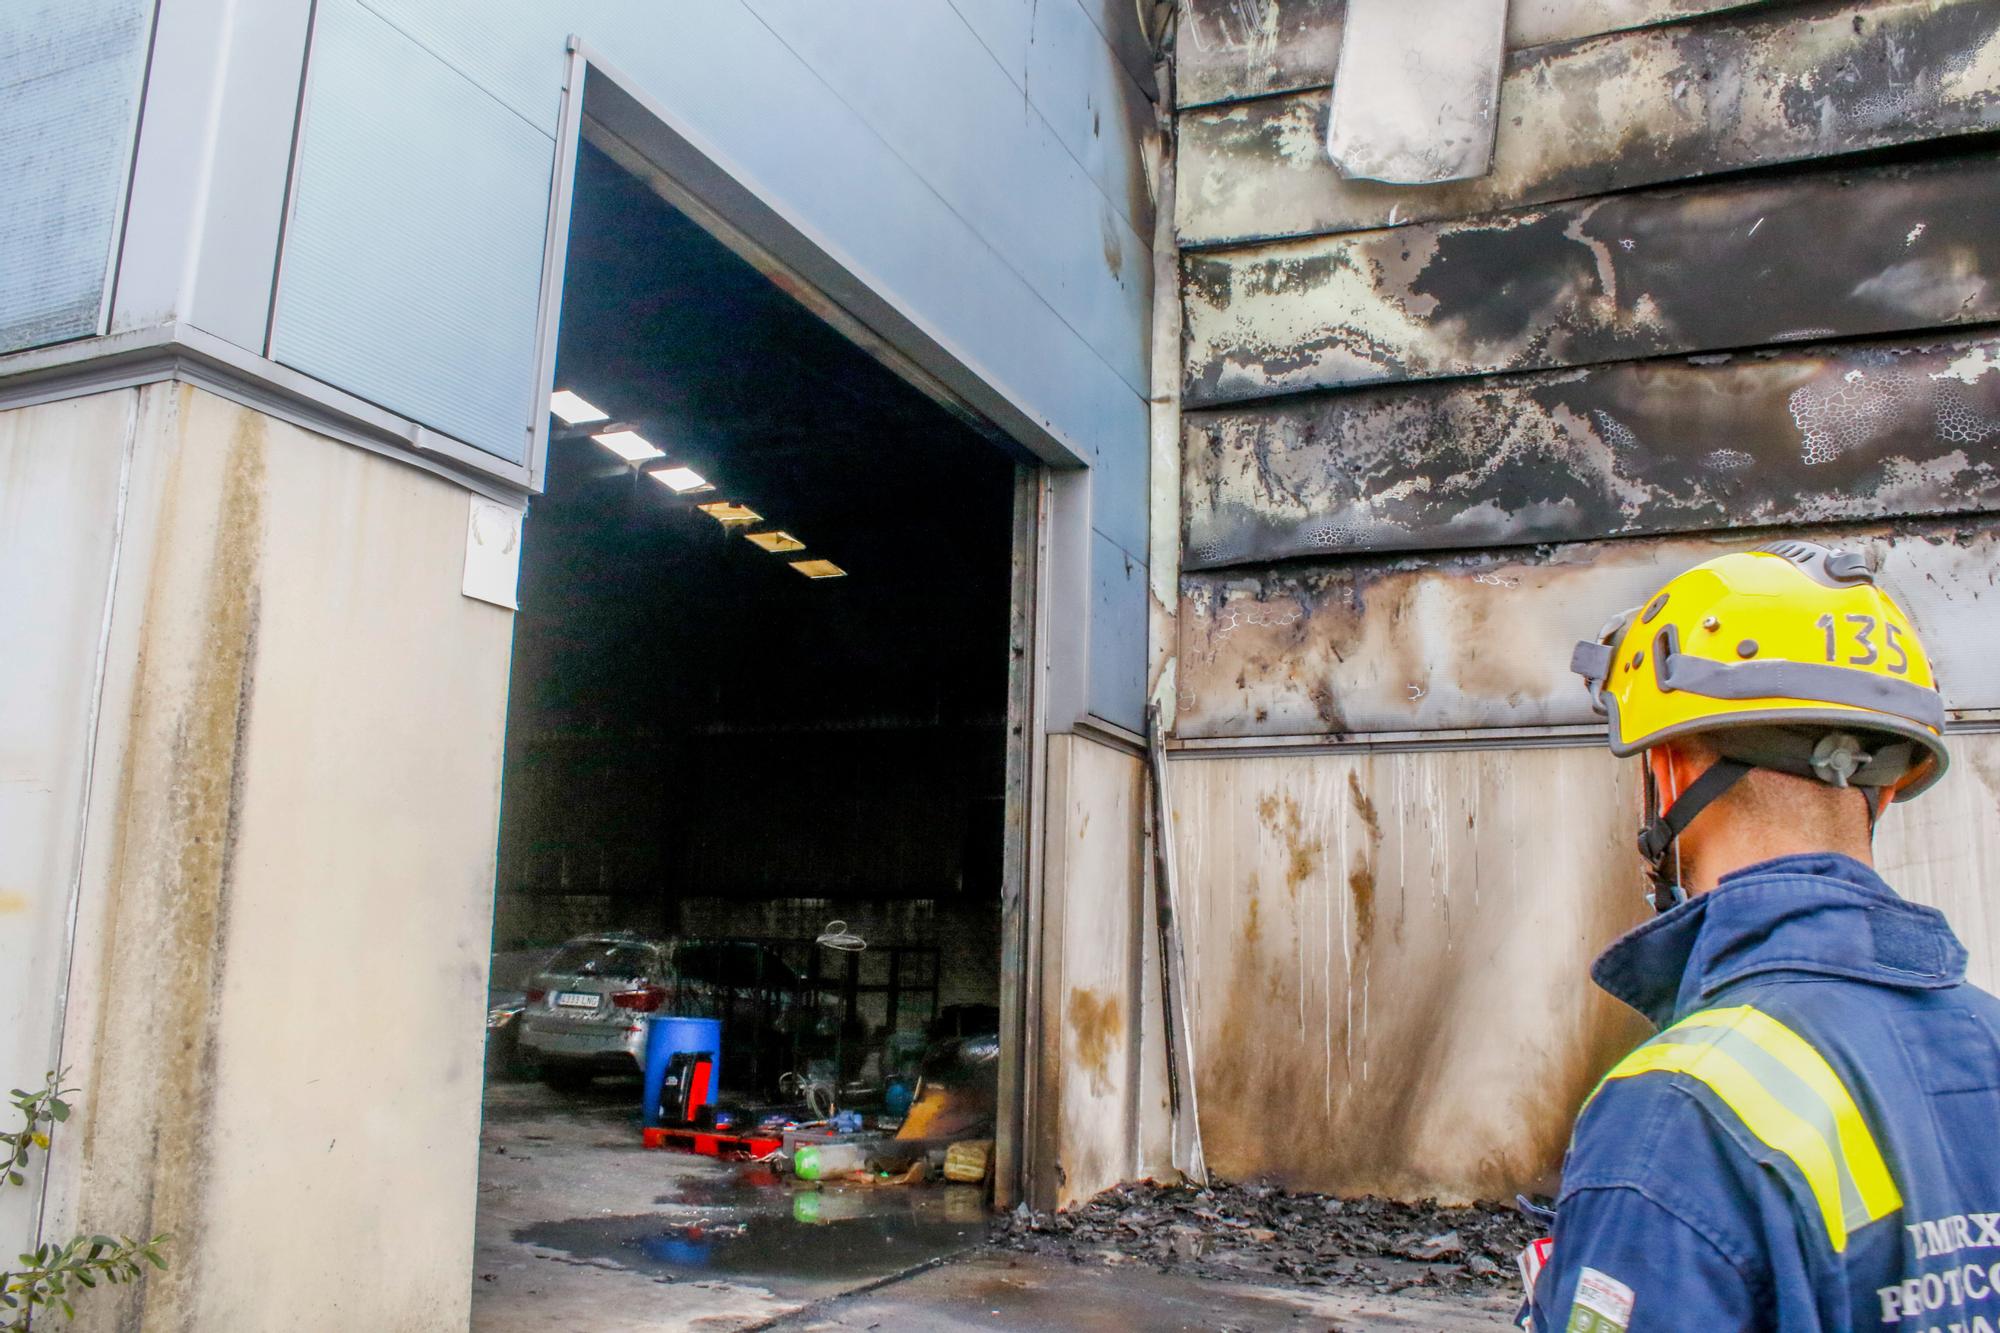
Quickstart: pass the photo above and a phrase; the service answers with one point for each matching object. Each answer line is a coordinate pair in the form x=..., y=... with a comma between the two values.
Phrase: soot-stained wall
x=1724, y=281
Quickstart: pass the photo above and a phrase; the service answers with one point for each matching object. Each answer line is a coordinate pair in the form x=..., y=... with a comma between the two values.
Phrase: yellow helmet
x=1785, y=657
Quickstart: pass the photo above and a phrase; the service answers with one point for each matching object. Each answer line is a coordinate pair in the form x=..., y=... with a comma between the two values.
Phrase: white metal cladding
x=975, y=165
x=70, y=75
x=413, y=258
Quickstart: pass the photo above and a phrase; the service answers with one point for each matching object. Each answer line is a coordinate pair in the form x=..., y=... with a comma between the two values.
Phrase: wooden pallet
x=709, y=1144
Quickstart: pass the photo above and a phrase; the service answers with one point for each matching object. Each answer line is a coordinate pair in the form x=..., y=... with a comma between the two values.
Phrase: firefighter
x=1812, y=1140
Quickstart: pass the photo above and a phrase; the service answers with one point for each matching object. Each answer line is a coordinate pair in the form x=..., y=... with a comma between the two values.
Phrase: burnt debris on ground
x=1262, y=1233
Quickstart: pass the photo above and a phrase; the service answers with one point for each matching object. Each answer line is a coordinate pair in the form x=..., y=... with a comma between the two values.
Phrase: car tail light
x=644, y=1000
x=537, y=996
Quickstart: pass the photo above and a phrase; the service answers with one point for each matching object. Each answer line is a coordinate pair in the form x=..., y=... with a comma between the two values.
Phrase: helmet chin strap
x=1661, y=831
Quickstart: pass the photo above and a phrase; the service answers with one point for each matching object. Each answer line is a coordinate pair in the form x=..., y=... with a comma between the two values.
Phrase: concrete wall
x=1390, y=952
x=61, y=470
x=281, y=948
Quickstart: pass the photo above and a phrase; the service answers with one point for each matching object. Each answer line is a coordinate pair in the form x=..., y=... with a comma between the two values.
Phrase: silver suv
x=587, y=1007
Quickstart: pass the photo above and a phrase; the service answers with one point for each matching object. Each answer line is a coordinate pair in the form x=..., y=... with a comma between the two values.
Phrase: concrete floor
x=580, y=1228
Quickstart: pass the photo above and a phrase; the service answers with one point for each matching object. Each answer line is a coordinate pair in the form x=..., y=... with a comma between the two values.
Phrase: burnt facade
x=1728, y=276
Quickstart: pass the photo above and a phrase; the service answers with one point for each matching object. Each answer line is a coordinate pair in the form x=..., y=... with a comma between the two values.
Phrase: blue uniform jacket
x=1746, y=1194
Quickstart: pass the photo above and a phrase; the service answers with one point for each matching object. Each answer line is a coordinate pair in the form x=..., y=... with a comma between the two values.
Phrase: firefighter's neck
x=1765, y=815
x=1731, y=845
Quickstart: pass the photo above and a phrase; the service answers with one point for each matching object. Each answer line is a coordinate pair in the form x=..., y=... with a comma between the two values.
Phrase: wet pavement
x=576, y=1217
x=1044, y=1294
x=581, y=1228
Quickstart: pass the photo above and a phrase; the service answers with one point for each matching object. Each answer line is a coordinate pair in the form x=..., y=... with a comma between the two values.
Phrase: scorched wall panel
x=1482, y=640
x=1630, y=109
x=1812, y=435
x=1606, y=279
x=1390, y=952
x=1232, y=49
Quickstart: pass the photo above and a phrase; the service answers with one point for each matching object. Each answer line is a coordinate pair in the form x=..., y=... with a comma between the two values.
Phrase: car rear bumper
x=617, y=1046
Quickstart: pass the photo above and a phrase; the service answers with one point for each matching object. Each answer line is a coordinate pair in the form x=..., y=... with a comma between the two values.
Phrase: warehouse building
x=473, y=476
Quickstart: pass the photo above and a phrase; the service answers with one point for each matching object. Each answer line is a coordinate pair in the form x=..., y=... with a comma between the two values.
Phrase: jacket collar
x=1820, y=914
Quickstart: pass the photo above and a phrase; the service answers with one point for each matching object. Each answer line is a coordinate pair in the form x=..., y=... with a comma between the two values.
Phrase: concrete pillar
x=279, y=966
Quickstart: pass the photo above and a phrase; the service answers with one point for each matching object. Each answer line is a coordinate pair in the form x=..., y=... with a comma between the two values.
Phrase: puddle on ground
x=746, y=1187
x=802, y=1234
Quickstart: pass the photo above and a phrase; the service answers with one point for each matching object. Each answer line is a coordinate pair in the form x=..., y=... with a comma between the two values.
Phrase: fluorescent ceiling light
x=573, y=410
x=730, y=514
x=777, y=543
x=681, y=480
x=819, y=569
x=629, y=445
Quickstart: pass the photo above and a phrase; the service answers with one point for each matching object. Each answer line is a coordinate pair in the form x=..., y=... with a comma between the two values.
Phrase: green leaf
x=59, y=1110
x=156, y=1261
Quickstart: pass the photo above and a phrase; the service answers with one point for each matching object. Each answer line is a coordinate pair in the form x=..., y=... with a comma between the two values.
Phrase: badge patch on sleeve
x=1603, y=1304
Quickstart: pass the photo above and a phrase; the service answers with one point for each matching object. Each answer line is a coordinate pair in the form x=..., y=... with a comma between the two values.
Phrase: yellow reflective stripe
x=1762, y=1114
x=1863, y=1159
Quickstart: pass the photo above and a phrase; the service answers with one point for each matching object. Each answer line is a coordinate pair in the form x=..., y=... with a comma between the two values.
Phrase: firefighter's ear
x=1669, y=771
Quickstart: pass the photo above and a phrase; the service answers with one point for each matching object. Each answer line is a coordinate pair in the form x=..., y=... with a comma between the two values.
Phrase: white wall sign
x=492, y=552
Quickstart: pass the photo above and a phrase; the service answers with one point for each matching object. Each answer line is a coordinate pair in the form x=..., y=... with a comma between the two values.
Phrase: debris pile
x=1261, y=1233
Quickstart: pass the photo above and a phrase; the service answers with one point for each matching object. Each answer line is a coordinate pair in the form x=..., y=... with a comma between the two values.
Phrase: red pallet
x=710, y=1145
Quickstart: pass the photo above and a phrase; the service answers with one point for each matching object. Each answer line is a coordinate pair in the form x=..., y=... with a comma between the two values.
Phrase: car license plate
x=570, y=999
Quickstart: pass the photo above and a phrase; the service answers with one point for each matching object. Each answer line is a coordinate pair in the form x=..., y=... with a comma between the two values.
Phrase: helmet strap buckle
x=1662, y=830
x=1838, y=757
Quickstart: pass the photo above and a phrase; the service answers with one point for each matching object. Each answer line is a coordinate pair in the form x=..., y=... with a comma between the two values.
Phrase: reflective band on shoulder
x=1787, y=1095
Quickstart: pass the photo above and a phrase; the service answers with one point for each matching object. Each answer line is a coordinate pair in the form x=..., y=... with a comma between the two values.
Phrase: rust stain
x=1361, y=877
x=1361, y=885
x=1097, y=1029
x=1364, y=807
x=1280, y=814
x=12, y=902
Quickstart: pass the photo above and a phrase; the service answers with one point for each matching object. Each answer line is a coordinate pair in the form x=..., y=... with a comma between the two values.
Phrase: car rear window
x=602, y=958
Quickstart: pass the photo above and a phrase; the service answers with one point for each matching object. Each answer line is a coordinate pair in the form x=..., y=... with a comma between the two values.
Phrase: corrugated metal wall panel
x=513, y=49
x=70, y=75
x=1838, y=432
x=979, y=169
x=1117, y=691
x=1444, y=643
x=413, y=260
x=1483, y=882
x=951, y=94
x=1233, y=49
x=1636, y=108
x=1100, y=111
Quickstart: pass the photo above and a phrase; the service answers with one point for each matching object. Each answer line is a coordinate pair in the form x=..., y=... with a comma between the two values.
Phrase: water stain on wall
x=176, y=839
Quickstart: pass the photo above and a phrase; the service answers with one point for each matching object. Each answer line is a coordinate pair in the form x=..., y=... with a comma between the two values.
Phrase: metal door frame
x=609, y=111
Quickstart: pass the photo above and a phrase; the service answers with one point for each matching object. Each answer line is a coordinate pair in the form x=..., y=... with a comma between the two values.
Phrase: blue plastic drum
x=667, y=1037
